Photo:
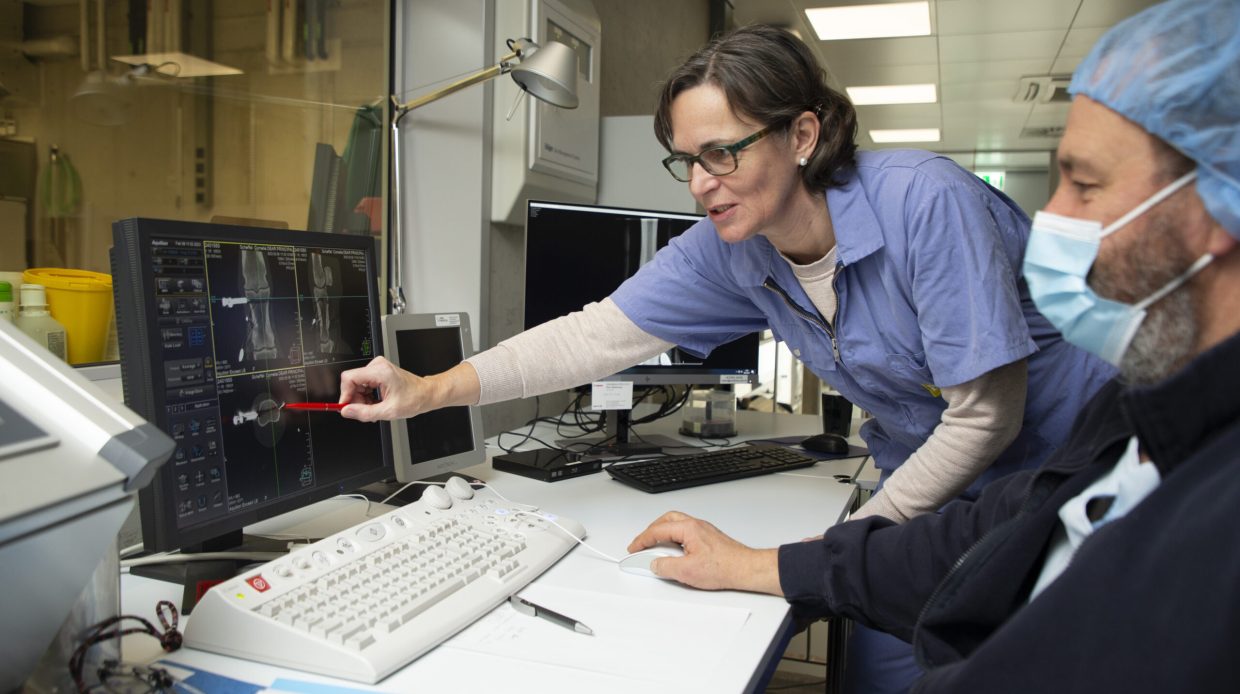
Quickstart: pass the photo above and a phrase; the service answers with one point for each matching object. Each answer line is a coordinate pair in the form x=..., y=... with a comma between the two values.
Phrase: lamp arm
x=397, y=290
x=480, y=76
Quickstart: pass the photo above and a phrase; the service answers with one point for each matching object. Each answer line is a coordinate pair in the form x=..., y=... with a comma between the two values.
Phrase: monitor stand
x=198, y=576
x=617, y=441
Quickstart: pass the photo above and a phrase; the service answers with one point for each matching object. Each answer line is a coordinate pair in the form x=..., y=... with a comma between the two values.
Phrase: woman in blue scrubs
x=893, y=275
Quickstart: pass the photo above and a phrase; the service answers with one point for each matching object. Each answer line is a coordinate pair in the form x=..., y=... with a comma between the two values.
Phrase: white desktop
x=687, y=640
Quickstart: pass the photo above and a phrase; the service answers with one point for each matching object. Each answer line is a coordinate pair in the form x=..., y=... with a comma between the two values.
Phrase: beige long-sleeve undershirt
x=982, y=416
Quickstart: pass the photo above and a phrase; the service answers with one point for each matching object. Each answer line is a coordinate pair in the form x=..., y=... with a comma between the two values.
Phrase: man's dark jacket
x=1149, y=603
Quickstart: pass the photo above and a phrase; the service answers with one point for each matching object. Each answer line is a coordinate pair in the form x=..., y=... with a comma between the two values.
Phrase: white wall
x=630, y=170
x=444, y=191
x=1030, y=189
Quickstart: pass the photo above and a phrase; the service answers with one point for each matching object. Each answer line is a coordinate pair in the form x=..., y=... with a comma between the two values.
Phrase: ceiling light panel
x=907, y=135
x=893, y=94
x=870, y=21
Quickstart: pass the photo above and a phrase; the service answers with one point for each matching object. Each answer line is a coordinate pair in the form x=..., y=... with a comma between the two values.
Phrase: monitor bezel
x=406, y=469
x=645, y=375
x=144, y=386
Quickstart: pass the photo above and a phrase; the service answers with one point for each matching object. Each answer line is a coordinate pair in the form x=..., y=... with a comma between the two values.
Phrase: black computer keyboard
x=680, y=471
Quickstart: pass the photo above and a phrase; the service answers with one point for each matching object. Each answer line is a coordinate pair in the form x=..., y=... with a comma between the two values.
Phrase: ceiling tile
x=1106, y=13
x=1066, y=65
x=1080, y=41
x=980, y=51
x=986, y=111
x=1000, y=46
x=901, y=113
x=990, y=71
x=991, y=16
x=902, y=51
x=969, y=91
x=864, y=75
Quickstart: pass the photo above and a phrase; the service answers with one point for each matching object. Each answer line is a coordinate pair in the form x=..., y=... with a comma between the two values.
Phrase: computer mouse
x=826, y=443
x=639, y=562
x=436, y=497
x=458, y=488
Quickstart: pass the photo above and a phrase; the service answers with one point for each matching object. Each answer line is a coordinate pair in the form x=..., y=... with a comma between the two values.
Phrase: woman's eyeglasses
x=718, y=161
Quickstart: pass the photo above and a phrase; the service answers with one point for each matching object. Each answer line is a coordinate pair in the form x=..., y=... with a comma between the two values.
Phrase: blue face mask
x=1060, y=253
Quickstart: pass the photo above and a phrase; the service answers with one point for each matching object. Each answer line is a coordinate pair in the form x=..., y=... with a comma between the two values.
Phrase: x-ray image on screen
x=335, y=309
x=254, y=307
x=267, y=449
x=325, y=275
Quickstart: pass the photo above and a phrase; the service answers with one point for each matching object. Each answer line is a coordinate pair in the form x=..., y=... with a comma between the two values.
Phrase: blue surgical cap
x=1174, y=70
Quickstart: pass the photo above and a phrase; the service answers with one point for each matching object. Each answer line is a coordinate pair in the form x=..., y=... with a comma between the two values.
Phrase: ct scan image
x=254, y=308
x=267, y=449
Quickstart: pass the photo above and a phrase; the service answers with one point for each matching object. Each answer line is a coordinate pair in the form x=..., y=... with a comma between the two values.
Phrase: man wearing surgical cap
x=1116, y=566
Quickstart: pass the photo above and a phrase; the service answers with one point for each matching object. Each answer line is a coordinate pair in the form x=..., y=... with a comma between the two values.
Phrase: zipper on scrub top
x=835, y=348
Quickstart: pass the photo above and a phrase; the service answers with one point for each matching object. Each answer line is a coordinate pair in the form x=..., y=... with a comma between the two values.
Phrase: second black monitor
x=576, y=254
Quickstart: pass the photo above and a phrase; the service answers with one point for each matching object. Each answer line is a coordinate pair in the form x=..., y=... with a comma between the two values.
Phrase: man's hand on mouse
x=712, y=560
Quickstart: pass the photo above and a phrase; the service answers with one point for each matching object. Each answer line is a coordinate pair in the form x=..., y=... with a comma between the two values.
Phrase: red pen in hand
x=314, y=406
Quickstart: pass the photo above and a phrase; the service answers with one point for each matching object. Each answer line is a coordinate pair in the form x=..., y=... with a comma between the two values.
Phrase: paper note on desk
x=661, y=635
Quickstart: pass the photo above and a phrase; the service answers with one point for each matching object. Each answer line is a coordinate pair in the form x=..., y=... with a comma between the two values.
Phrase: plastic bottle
x=6, y=302
x=34, y=320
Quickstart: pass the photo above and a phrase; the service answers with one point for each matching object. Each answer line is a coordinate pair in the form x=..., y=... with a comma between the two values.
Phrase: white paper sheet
x=639, y=639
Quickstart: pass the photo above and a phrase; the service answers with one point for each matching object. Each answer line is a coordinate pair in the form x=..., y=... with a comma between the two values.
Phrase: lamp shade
x=549, y=74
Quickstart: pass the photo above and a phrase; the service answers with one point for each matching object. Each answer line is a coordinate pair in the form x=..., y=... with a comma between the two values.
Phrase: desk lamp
x=548, y=73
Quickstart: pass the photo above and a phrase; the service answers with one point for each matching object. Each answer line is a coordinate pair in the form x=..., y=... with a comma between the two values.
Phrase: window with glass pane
x=266, y=113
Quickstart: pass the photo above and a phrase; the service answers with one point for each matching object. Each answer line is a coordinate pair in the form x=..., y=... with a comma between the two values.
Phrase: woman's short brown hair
x=769, y=75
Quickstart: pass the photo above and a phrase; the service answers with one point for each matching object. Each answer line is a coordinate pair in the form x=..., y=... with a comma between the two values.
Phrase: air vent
x=1043, y=131
x=1042, y=89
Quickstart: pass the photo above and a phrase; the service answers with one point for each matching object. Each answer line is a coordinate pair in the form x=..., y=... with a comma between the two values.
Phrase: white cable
x=808, y=477
x=568, y=532
x=295, y=540
x=204, y=556
x=363, y=497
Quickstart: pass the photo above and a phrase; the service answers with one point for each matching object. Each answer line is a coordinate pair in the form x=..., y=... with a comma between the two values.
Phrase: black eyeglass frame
x=690, y=159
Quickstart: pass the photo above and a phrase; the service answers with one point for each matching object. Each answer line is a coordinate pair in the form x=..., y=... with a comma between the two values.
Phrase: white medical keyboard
x=364, y=602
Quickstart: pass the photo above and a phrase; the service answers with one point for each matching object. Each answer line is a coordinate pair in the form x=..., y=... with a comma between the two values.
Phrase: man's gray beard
x=1164, y=342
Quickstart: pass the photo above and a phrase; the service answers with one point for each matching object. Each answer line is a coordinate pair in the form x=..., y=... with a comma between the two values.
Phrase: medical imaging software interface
x=246, y=329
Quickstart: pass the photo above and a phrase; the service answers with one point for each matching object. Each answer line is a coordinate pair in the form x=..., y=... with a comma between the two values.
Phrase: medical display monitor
x=221, y=327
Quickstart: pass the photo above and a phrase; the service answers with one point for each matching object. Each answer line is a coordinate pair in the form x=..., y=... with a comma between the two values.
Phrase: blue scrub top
x=929, y=293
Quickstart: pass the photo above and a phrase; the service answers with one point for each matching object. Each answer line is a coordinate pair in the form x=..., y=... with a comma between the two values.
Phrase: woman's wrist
x=456, y=386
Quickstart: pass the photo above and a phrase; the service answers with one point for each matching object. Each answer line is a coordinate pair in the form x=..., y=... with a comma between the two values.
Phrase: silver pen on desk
x=528, y=608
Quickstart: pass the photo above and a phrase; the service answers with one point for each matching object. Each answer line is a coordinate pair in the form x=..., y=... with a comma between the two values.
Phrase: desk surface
x=763, y=512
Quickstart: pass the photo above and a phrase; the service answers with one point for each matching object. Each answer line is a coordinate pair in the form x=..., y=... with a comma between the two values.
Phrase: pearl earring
x=803, y=161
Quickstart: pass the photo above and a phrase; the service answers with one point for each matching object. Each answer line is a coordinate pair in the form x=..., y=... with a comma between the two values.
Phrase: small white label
x=733, y=378
x=446, y=319
x=611, y=395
